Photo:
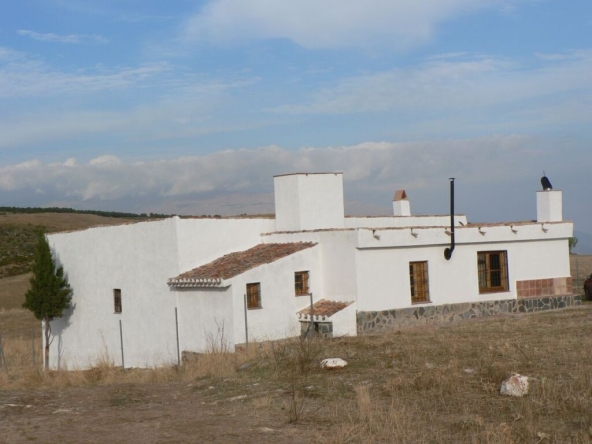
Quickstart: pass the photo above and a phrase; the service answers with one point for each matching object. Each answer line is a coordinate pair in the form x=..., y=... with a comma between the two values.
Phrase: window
x=254, y=295
x=492, y=267
x=301, y=283
x=117, y=300
x=418, y=279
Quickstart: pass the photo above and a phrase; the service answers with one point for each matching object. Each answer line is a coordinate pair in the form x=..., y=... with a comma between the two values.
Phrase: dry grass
x=18, y=323
x=22, y=374
x=12, y=291
x=61, y=221
x=423, y=385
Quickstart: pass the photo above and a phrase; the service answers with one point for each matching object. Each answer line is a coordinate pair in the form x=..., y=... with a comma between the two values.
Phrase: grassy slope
x=434, y=384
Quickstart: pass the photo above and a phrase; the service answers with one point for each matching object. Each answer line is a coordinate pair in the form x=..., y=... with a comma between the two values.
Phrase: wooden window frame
x=419, y=284
x=254, y=296
x=117, y=305
x=301, y=280
x=492, y=272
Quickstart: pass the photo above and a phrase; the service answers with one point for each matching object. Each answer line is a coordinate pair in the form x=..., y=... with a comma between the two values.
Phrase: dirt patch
x=170, y=413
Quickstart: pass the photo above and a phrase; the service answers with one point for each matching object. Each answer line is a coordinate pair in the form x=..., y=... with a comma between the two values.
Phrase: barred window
x=117, y=300
x=301, y=283
x=254, y=295
x=492, y=267
x=418, y=279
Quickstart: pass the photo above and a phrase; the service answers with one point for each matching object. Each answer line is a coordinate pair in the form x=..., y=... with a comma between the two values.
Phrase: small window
x=492, y=268
x=254, y=295
x=301, y=283
x=418, y=279
x=117, y=300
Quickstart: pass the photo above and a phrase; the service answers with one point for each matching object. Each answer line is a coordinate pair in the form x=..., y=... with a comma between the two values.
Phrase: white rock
x=515, y=385
x=333, y=363
x=266, y=430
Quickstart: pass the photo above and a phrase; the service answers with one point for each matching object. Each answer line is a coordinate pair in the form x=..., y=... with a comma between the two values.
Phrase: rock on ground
x=333, y=363
x=515, y=385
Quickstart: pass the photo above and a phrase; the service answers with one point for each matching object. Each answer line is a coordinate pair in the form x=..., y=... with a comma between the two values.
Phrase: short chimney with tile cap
x=401, y=206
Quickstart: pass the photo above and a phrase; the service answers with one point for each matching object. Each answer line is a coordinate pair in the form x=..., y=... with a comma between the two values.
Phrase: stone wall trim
x=386, y=320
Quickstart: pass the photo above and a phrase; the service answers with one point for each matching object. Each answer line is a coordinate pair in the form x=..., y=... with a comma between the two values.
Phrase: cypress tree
x=50, y=293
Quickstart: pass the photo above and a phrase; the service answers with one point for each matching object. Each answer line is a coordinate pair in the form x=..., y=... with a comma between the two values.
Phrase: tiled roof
x=237, y=263
x=324, y=308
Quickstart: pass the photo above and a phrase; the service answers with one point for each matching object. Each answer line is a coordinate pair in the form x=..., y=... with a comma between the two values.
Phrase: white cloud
x=329, y=23
x=369, y=165
x=184, y=113
x=68, y=39
x=23, y=76
x=496, y=178
x=453, y=82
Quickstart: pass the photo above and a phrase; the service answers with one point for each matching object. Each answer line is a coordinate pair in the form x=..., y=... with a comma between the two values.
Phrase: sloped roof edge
x=213, y=274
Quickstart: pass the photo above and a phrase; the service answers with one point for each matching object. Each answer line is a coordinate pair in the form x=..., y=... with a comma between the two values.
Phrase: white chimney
x=401, y=206
x=309, y=201
x=549, y=206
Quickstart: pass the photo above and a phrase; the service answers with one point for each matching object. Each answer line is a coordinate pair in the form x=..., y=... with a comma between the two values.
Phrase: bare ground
x=136, y=413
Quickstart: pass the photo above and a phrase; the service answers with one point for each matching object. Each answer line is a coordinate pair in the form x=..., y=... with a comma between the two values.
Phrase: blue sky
x=191, y=106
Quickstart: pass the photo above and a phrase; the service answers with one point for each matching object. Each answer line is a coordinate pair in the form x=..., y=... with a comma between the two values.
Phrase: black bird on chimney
x=546, y=183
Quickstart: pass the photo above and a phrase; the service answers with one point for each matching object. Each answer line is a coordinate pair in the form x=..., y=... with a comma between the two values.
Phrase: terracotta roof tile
x=237, y=263
x=400, y=195
x=324, y=307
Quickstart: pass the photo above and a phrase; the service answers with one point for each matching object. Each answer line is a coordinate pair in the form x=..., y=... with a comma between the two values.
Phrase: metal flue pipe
x=448, y=251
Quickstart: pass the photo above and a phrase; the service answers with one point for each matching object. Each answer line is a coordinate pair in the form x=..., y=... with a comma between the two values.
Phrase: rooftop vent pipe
x=546, y=183
x=448, y=251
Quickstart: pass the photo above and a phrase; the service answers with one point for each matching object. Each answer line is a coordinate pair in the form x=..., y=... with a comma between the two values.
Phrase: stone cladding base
x=378, y=321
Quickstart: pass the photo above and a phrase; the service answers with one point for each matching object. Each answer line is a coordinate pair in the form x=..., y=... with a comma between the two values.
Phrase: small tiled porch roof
x=323, y=309
x=233, y=264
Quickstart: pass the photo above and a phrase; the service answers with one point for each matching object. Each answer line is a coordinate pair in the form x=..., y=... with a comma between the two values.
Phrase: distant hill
x=59, y=210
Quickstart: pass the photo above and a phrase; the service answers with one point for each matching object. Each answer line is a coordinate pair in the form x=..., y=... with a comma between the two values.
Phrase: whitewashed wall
x=383, y=274
x=138, y=259
x=135, y=258
x=337, y=259
x=205, y=319
x=277, y=317
x=203, y=240
x=344, y=322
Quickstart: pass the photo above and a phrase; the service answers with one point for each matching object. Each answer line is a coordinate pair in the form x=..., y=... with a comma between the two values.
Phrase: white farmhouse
x=146, y=292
